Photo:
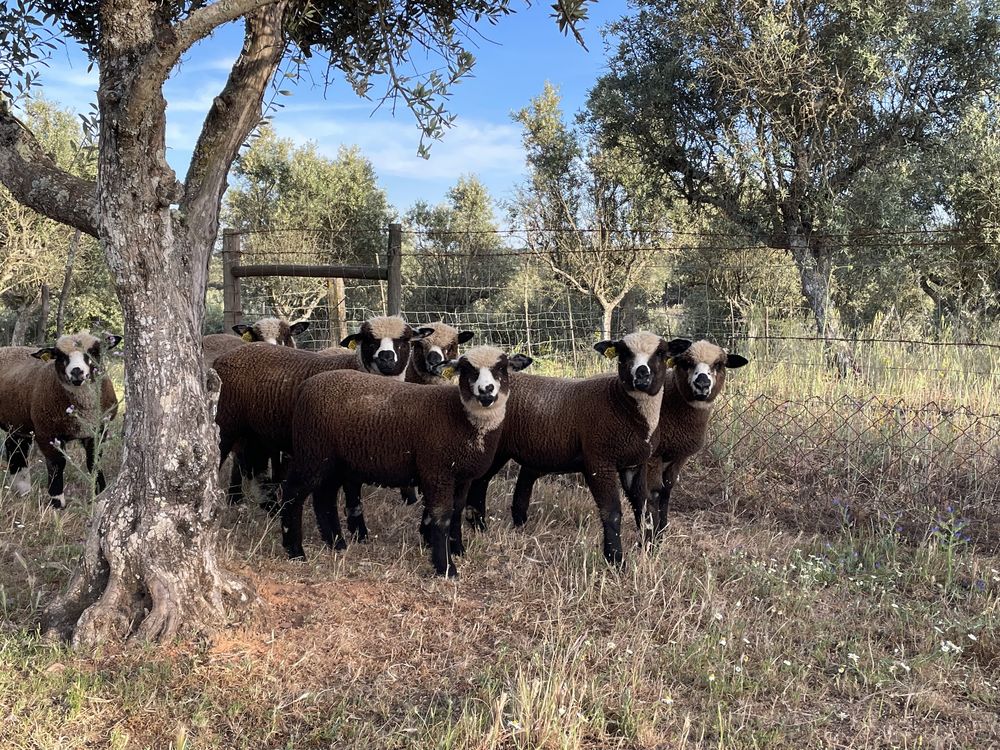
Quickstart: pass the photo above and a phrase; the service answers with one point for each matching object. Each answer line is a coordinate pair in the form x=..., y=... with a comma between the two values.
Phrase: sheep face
x=439, y=346
x=77, y=357
x=271, y=331
x=700, y=369
x=383, y=345
x=484, y=375
x=642, y=361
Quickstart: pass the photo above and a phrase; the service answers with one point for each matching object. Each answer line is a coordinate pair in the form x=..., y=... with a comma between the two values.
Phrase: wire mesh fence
x=915, y=422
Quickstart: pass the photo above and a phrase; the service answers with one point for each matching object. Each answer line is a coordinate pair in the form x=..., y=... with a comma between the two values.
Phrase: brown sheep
x=260, y=383
x=601, y=426
x=431, y=354
x=58, y=394
x=697, y=378
x=349, y=427
x=266, y=330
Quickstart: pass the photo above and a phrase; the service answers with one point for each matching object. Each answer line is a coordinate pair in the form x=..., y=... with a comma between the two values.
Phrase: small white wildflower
x=711, y=678
x=611, y=645
x=562, y=710
x=948, y=647
x=853, y=657
x=841, y=715
x=786, y=663
x=738, y=669
x=718, y=616
x=723, y=642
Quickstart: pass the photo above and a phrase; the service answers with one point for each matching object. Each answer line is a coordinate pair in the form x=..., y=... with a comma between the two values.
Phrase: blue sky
x=513, y=61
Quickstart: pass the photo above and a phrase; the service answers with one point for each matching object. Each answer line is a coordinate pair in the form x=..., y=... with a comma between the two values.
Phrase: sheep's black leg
x=603, y=483
x=90, y=449
x=526, y=479
x=670, y=474
x=439, y=501
x=356, y=525
x=457, y=513
x=327, y=515
x=476, y=499
x=291, y=496
x=55, y=460
x=637, y=490
x=408, y=495
x=16, y=448
x=235, y=492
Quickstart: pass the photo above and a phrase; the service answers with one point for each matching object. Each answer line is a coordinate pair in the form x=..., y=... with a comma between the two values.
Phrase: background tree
x=149, y=564
x=772, y=113
x=457, y=257
x=585, y=210
x=301, y=207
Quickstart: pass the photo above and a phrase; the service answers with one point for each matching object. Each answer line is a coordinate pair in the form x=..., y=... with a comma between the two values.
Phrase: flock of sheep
x=398, y=406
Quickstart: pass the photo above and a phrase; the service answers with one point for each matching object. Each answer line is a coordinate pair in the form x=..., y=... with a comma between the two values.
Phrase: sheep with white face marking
x=696, y=379
x=380, y=347
x=260, y=383
x=349, y=427
x=430, y=355
x=58, y=394
x=602, y=427
x=266, y=330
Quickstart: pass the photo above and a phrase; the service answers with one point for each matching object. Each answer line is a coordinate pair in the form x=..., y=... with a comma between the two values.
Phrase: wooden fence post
x=232, y=306
x=394, y=258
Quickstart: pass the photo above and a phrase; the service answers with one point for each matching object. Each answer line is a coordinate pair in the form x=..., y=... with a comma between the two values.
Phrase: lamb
x=602, y=426
x=260, y=382
x=58, y=394
x=348, y=427
x=696, y=380
x=267, y=330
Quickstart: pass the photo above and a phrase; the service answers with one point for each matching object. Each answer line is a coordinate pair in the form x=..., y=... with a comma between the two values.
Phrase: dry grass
x=736, y=632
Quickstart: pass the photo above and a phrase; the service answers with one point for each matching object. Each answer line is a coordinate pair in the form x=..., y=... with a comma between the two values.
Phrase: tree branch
x=233, y=115
x=180, y=38
x=35, y=180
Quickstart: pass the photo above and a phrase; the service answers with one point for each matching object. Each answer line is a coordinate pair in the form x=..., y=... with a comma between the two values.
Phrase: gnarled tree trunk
x=149, y=567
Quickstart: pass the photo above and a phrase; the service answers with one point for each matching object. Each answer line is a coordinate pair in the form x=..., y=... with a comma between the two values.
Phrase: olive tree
x=149, y=566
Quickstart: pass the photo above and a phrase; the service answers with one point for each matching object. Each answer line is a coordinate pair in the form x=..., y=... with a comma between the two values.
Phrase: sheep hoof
x=339, y=545
x=297, y=556
x=58, y=501
x=450, y=572
x=475, y=520
x=457, y=547
x=519, y=519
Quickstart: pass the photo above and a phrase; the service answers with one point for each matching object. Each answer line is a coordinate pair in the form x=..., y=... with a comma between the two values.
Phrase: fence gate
x=233, y=270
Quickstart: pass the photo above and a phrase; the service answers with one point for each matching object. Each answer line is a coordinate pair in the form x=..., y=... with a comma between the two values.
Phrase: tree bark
x=43, y=315
x=149, y=566
x=607, y=312
x=74, y=245
x=22, y=321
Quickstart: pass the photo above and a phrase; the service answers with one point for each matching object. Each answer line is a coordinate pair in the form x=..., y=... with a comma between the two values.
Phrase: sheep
x=697, y=378
x=267, y=330
x=259, y=384
x=601, y=426
x=431, y=354
x=58, y=394
x=348, y=427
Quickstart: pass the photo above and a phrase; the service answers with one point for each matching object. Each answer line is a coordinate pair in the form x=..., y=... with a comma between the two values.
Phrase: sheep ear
x=296, y=328
x=421, y=333
x=111, y=340
x=519, y=361
x=678, y=346
x=46, y=355
x=464, y=336
x=735, y=360
x=243, y=331
x=607, y=348
x=351, y=342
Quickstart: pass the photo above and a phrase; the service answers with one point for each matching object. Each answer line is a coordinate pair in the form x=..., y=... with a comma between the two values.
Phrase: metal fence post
x=394, y=258
x=232, y=306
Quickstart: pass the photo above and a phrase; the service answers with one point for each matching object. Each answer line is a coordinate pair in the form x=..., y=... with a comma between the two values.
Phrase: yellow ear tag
x=247, y=336
x=670, y=362
x=47, y=357
x=610, y=352
x=352, y=344
x=448, y=372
